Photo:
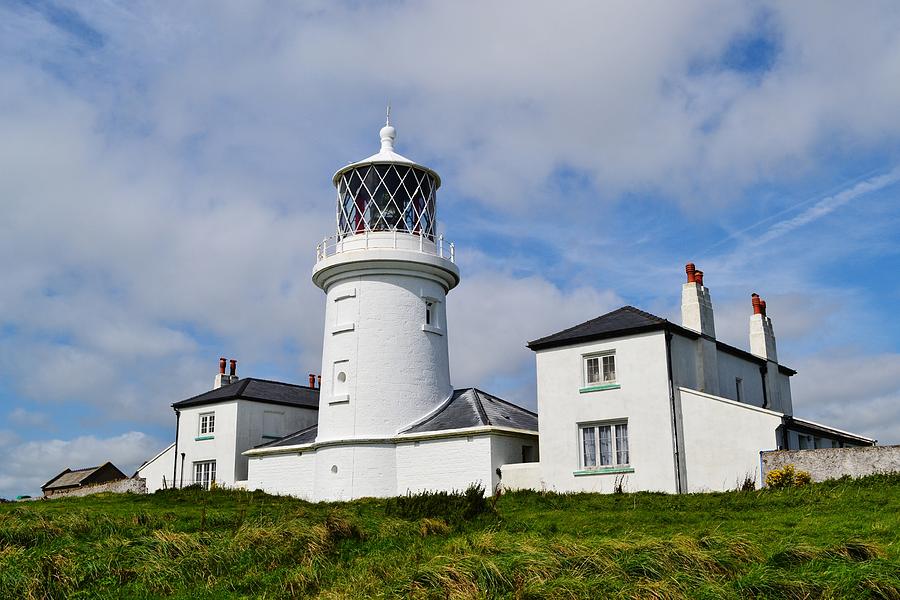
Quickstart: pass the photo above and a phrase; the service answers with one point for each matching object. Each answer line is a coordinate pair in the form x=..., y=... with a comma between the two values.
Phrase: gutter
x=175, y=464
x=674, y=413
x=396, y=439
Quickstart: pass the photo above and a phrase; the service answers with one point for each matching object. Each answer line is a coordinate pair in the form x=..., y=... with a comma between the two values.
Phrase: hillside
x=835, y=540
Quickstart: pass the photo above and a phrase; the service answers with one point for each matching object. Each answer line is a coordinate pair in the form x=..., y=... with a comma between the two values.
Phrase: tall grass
x=831, y=540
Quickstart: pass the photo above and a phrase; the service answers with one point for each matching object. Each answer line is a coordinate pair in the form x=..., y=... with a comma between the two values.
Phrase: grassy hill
x=833, y=540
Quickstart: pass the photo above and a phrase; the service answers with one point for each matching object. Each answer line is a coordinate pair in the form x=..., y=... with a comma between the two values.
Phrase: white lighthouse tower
x=385, y=275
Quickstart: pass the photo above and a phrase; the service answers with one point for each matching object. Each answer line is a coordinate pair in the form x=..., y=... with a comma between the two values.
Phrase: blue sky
x=166, y=177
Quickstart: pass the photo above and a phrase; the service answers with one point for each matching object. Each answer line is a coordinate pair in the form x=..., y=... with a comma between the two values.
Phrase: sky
x=165, y=175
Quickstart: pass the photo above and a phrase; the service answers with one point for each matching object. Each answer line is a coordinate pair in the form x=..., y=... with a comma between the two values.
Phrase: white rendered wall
x=396, y=372
x=522, y=476
x=723, y=439
x=250, y=423
x=642, y=399
x=444, y=464
x=345, y=472
x=220, y=448
x=158, y=470
x=506, y=450
x=731, y=367
x=289, y=474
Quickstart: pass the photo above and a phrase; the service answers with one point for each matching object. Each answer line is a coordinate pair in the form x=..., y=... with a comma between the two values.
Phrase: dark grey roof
x=258, y=390
x=473, y=408
x=621, y=321
x=629, y=320
x=799, y=425
x=304, y=436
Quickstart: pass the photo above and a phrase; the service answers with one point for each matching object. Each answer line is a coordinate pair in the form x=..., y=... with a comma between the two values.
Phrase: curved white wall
x=395, y=370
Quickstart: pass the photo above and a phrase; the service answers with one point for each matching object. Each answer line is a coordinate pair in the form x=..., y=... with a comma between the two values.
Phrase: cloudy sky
x=165, y=175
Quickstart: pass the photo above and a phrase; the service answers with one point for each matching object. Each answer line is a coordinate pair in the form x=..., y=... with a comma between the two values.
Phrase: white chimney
x=697, y=315
x=696, y=305
x=223, y=378
x=762, y=336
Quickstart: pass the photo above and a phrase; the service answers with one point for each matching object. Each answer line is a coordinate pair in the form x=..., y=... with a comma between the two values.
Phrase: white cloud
x=26, y=418
x=28, y=465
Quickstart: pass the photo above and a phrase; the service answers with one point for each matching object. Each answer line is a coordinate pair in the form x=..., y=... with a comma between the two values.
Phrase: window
x=432, y=315
x=272, y=424
x=207, y=423
x=599, y=370
x=738, y=389
x=205, y=473
x=604, y=445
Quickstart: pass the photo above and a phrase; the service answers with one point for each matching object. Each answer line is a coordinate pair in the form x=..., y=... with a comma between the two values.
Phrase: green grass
x=832, y=540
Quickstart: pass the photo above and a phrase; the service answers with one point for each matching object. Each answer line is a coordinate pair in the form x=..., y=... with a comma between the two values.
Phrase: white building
x=626, y=399
x=635, y=400
x=214, y=429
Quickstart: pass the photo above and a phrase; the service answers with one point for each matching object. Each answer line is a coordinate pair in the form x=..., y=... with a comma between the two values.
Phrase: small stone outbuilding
x=70, y=480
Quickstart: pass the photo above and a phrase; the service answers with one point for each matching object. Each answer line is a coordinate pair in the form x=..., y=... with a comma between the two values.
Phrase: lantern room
x=386, y=192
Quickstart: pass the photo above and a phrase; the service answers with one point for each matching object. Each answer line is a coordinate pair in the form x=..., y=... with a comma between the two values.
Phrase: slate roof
x=70, y=478
x=258, y=390
x=473, y=408
x=304, y=436
x=629, y=320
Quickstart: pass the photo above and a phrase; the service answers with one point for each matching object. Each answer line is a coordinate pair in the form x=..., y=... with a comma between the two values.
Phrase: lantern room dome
x=386, y=192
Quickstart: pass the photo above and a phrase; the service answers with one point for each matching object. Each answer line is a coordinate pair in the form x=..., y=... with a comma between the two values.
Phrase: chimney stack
x=312, y=380
x=696, y=304
x=762, y=335
x=221, y=377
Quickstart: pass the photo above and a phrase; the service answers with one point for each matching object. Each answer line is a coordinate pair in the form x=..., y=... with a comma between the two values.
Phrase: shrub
x=452, y=507
x=787, y=476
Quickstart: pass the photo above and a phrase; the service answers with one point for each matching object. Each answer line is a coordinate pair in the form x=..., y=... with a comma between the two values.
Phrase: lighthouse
x=389, y=420
x=385, y=273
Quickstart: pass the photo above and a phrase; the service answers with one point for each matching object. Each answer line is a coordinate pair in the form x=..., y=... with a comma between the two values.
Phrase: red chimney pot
x=756, y=302
x=762, y=307
x=312, y=380
x=233, y=370
x=690, y=269
x=222, y=366
x=698, y=277
x=319, y=381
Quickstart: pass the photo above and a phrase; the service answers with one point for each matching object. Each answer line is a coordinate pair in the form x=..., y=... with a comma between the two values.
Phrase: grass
x=836, y=539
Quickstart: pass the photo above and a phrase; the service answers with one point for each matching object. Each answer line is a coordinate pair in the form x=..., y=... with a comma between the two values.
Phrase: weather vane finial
x=387, y=121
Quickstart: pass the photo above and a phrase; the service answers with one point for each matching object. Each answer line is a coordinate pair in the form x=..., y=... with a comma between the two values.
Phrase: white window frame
x=205, y=473
x=431, y=315
x=206, y=423
x=615, y=441
x=601, y=371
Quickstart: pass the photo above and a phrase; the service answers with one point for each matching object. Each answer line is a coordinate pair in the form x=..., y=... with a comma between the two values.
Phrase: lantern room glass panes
x=386, y=197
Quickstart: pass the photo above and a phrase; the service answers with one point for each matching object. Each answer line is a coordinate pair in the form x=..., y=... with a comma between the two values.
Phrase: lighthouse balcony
x=396, y=240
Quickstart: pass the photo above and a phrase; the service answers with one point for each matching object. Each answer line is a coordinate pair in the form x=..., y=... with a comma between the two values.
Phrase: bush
x=787, y=476
x=452, y=507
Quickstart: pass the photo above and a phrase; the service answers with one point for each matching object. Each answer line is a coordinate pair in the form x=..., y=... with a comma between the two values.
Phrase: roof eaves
x=606, y=335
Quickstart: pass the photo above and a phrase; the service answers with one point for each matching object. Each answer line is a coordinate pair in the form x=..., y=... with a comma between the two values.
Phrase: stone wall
x=832, y=463
x=135, y=485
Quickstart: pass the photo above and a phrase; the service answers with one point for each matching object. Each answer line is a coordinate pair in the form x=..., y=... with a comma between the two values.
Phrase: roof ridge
x=282, y=383
x=507, y=402
x=566, y=330
x=482, y=414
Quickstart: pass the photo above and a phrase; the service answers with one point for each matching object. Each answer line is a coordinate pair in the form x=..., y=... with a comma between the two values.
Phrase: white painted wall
x=723, y=439
x=251, y=426
x=507, y=449
x=444, y=464
x=522, y=476
x=289, y=474
x=222, y=448
x=396, y=370
x=731, y=367
x=345, y=472
x=642, y=399
x=158, y=470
